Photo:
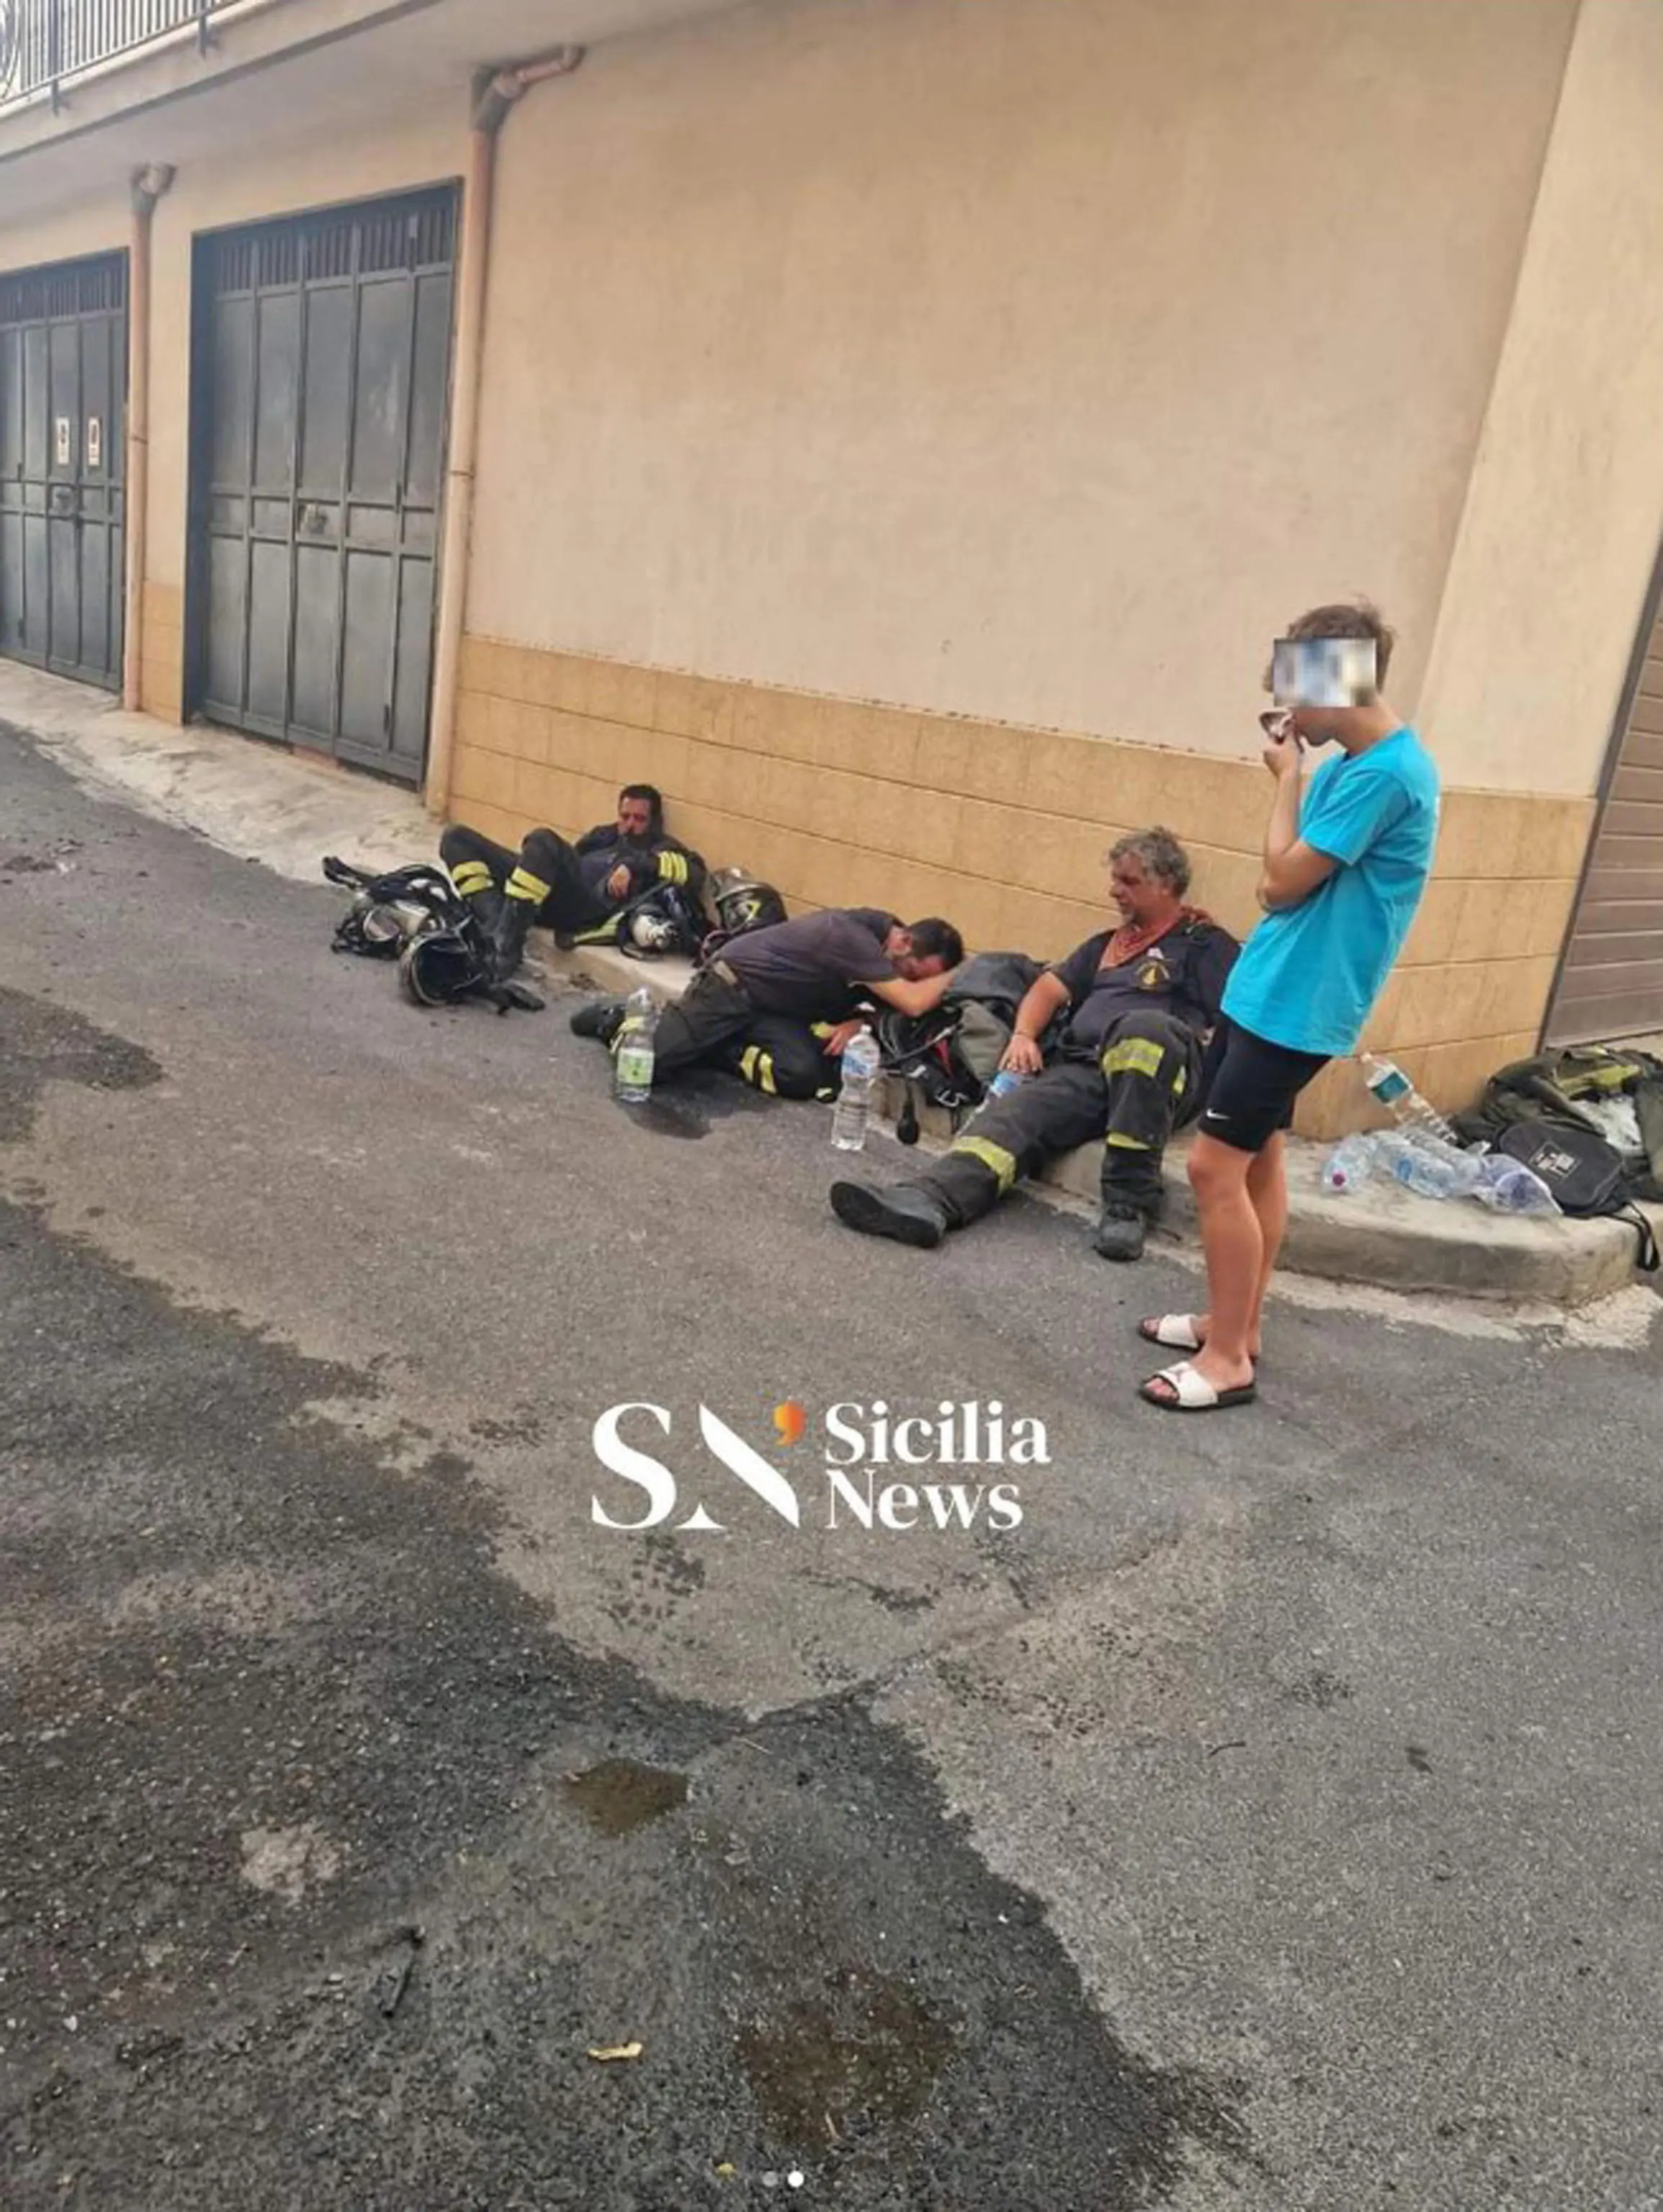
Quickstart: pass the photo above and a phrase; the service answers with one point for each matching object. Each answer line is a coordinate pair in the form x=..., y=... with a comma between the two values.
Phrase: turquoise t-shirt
x=1309, y=974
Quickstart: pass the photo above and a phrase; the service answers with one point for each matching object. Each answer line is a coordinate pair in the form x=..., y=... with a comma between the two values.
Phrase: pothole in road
x=620, y=1795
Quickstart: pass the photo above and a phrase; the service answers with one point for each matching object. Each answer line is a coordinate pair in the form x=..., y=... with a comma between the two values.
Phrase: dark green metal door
x=62, y=407
x=324, y=361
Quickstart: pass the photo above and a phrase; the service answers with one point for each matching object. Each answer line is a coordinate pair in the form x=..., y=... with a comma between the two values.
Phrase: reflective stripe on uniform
x=1125, y=1144
x=1134, y=1056
x=1002, y=1163
x=1180, y=1082
x=523, y=884
x=673, y=868
x=471, y=876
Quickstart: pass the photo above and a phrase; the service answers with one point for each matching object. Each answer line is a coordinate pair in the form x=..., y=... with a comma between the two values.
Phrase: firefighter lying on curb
x=1139, y=1001
x=776, y=1005
x=625, y=881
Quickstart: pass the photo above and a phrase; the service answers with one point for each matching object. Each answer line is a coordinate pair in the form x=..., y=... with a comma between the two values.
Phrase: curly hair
x=1160, y=853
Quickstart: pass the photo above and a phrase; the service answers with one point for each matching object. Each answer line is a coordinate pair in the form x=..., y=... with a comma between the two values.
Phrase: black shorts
x=1248, y=1086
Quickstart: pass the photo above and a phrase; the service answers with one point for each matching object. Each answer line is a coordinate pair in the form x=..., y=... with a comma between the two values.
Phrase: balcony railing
x=43, y=43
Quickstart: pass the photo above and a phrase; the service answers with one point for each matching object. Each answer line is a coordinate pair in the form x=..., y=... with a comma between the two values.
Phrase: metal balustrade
x=43, y=43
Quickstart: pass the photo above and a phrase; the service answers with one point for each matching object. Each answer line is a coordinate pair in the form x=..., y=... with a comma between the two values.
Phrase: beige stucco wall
x=1565, y=510
x=92, y=226
x=1028, y=361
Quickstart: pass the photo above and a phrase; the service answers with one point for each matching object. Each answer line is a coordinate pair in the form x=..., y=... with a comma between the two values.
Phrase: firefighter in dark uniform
x=776, y=1006
x=1141, y=1000
x=575, y=890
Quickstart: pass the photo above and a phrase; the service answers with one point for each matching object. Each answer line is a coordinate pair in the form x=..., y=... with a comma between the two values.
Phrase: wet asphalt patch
x=298, y=1907
x=41, y=1043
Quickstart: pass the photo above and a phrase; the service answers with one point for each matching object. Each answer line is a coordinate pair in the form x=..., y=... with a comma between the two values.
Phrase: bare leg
x=1233, y=1240
x=1267, y=1187
x=1267, y=1190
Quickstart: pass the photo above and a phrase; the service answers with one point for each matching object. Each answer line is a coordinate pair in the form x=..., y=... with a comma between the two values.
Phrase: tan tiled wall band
x=1002, y=829
x=162, y=653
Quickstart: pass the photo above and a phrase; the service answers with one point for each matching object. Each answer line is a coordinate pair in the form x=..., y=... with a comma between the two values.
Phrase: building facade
x=896, y=428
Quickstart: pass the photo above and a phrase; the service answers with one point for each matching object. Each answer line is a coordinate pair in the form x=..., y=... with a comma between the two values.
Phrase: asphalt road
x=1270, y=1822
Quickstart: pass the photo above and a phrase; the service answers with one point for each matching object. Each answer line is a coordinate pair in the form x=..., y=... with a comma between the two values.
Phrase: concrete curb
x=287, y=811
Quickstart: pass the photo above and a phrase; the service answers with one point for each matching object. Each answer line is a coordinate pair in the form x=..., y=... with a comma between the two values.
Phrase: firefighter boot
x=903, y=1210
x=507, y=944
x=601, y=1018
x=1121, y=1231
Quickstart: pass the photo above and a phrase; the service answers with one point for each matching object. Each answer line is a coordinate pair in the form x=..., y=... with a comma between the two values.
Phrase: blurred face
x=1139, y=897
x=635, y=818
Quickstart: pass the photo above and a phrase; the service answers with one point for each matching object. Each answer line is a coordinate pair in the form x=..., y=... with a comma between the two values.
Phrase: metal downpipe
x=495, y=100
x=148, y=186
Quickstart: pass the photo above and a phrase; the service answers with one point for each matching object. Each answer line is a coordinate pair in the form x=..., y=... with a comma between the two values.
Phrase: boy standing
x=1343, y=875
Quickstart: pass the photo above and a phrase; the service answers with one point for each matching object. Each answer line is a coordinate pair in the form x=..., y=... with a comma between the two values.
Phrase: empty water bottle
x=1509, y=1186
x=1388, y=1086
x=1432, y=1169
x=634, y=1052
x=1351, y=1162
x=854, y=1106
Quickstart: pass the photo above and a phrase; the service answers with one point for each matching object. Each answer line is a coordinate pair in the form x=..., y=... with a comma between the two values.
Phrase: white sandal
x=1191, y=1393
x=1177, y=1333
x=1174, y=1331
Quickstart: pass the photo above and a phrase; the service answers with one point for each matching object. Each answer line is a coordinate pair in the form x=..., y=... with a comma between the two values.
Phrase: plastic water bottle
x=633, y=1051
x=1351, y=1162
x=1389, y=1087
x=1007, y=1080
x=1509, y=1186
x=1432, y=1169
x=854, y=1106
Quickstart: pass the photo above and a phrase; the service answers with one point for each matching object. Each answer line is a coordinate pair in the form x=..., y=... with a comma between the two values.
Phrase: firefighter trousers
x=544, y=872
x=715, y=1024
x=1142, y=1087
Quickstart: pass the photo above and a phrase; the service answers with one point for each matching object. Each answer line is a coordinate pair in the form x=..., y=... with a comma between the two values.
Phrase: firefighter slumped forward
x=1140, y=1000
x=775, y=1005
x=575, y=890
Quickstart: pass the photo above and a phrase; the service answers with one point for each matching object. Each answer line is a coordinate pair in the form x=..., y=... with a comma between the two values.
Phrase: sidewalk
x=287, y=811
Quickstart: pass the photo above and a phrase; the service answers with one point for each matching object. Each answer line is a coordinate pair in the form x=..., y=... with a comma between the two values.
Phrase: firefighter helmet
x=743, y=902
x=439, y=967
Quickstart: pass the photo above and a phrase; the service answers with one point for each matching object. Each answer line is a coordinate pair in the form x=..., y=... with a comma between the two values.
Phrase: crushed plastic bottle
x=854, y=1107
x=1388, y=1086
x=1508, y=1186
x=1432, y=1169
x=1352, y=1161
x=634, y=1052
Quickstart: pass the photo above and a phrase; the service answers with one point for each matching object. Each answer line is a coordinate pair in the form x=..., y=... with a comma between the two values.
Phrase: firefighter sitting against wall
x=583, y=892
x=1140, y=1000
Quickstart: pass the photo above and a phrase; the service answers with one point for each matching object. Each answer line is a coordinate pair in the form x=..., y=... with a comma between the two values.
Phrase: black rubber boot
x=903, y=1211
x=1121, y=1233
x=486, y=908
x=507, y=942
x=601, y=1018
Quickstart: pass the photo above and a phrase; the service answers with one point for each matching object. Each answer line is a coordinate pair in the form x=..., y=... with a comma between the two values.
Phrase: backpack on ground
x=947, y=1058
x=1583, y=1171
x=1556, y=1088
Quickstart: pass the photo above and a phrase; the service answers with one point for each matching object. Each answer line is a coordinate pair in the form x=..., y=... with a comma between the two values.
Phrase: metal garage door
x=63, y=406
x=1611, y=981
x=323, y=364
